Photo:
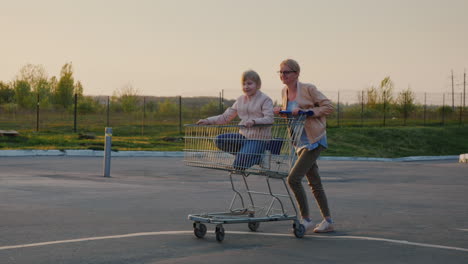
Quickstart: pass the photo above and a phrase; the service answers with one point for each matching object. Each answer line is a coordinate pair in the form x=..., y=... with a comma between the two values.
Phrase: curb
x=100, y=153
x=88, y=153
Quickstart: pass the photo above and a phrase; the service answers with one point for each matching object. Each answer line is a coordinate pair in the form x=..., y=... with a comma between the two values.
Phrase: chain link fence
x=159, y=115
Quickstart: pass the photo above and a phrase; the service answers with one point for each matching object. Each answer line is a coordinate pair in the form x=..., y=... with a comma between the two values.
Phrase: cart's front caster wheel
x=253, y=226
x=199, y=230
x=299, y=230
x=219, y=233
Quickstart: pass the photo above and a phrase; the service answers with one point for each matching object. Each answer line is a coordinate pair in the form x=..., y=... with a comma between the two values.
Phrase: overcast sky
x=198, y=48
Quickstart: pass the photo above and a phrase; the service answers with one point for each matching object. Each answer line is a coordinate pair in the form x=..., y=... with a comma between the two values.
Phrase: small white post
x=107, y=151
x=463, y=158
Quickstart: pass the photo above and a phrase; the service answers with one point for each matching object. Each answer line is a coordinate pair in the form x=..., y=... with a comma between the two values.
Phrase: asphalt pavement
x=60, y=209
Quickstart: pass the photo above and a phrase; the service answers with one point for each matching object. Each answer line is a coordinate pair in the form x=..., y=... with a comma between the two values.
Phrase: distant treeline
x=32, y=90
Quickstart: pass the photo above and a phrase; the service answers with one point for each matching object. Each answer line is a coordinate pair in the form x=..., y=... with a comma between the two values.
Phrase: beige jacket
x=258, y=108
x=309, y=98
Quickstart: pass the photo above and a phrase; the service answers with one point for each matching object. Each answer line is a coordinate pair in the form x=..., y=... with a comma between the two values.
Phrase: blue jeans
x=248, y=152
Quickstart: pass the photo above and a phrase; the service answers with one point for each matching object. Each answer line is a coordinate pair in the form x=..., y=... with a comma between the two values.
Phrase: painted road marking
x=97, y=238
x=394, y=241
x=461, y=229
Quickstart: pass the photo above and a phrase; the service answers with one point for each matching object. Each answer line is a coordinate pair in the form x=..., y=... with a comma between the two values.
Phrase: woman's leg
x=305, y=161
x=315, y=184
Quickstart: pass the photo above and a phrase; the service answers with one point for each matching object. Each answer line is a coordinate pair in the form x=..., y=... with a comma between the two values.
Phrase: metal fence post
x=443, y=109
x=107, y=151
x=180, y=114
x=37, y=113
x=108, y=110
x=425, y=106
x=338, y=110
x=362, y=109
x=75, y=113
x=144, y=117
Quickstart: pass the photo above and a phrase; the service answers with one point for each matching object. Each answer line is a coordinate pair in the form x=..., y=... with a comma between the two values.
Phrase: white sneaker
x=308, y=225
x=324, y=227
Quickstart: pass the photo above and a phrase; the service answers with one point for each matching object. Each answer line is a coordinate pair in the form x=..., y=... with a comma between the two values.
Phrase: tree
x=151, y=106
x=168, y=108
x=210, y=109
x=386, y=95
x=88, y=105
x=386, y=91
x=405, y=102
x=371, y=97
x=7, y=94
x=65, y=87
x=23, y=95
x=127, y=97
x=35, y=75
x=44, y=91
x=78, y=90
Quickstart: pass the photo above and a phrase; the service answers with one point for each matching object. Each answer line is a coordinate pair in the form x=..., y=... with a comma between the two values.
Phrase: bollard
x=107, y=151
x=463, y=158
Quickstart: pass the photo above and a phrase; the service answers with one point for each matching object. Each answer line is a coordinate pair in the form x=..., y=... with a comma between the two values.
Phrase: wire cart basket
x=270, y=154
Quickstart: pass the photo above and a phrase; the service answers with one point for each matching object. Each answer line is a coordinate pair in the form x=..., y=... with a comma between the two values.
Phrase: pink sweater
x=309, y=98
x=258, y=108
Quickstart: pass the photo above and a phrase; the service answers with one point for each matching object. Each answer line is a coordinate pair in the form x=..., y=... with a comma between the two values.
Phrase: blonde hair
x=292, y=64
x=253, y=76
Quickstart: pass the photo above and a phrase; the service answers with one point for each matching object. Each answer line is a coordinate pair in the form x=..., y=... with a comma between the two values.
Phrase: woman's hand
x=276, y=110
x=203, y=122
x=295, y=111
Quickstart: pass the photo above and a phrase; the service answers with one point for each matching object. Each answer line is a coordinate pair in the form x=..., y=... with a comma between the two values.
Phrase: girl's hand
x=202, y=122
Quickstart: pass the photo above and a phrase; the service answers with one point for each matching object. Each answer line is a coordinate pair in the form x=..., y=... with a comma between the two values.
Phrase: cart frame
x=201, y=151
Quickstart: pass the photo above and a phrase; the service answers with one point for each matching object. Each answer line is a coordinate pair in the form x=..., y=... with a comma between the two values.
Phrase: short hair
x=292, y=64
x=253, y=76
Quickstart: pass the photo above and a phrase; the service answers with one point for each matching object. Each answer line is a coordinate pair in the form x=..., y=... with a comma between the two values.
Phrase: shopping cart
x=218, y=147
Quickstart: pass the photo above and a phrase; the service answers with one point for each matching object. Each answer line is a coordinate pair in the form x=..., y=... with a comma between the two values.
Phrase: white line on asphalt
x=96, y=238
x=404, y=242
x=463, y=229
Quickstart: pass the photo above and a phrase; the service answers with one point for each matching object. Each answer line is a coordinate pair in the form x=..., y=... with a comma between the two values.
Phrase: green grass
x=388, y=142
x=391, y=142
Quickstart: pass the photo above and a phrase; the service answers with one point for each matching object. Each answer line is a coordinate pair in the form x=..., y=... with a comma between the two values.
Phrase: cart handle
x=307, y=112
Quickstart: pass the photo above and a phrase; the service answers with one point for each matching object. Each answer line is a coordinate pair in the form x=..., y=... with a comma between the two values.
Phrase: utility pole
x=453, y=95
x=464, y=87
x=221, y=101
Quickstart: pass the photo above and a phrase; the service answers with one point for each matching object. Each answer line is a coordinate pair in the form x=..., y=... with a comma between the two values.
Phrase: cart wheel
x=219, y=233
x=299, y=230
x=253, y=226
x=199, y=230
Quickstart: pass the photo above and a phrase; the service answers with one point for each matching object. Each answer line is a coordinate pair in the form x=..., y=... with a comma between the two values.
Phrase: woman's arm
x=320, y=104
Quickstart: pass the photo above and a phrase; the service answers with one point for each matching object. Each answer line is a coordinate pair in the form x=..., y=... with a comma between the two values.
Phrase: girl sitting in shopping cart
x=253, y=108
